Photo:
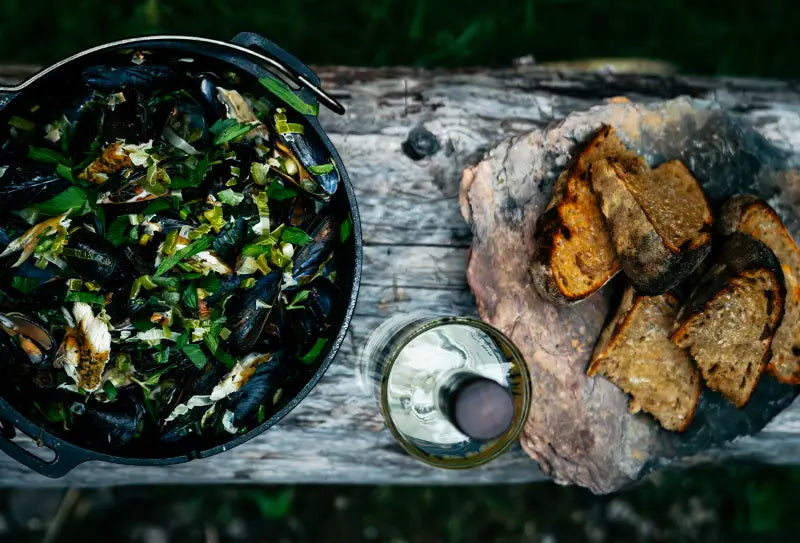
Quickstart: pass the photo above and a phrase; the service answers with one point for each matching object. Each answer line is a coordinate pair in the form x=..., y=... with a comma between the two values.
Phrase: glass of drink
x=454, y=391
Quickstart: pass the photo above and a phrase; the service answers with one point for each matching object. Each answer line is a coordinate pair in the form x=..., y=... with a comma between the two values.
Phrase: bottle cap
x=480, y=408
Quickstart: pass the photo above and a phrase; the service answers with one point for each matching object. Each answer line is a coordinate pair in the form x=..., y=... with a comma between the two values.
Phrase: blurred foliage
x=740, y=503
x=713, y=37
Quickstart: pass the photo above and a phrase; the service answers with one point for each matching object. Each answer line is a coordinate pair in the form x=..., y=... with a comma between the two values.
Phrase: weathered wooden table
x=415, y=248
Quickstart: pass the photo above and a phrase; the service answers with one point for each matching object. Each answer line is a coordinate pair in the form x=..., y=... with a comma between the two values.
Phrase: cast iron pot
x=259, y=57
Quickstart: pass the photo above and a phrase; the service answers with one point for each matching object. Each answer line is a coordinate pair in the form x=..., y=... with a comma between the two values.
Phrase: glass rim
x=495, y=447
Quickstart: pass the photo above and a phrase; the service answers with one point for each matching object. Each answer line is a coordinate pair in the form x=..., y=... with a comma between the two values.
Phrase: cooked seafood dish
x=171, y=257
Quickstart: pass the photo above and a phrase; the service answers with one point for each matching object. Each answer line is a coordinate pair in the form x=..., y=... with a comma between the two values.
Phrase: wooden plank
x=415, y=250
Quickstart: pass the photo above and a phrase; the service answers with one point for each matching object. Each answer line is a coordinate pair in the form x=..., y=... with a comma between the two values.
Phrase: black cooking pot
x=251, y=54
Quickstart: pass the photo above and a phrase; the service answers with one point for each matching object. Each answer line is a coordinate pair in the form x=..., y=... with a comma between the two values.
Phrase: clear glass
x=407, y=360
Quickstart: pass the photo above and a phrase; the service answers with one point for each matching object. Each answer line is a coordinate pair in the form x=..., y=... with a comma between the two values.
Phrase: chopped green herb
x=163, y=356
x=346, y=229
x=21, y=124
x=262, y=414
x=73, y=198
x=296, y=236
x=195, y=353
x=47, y=156
x=210, y=282
x=231, y=198
x=312, y=355
x=190, y=297
x=298, y=299
x=225, y=131
x=156, y=181
x=169, y=262
x=158, y=205
x=87, y=297
x=322, y=169
x=225, y=358
x=52, y=411
x=215, y=217
x=110, y=390
x=116, y=232
x=282, y=91
x=276, y=191
x=24, y=284
x=65, y=172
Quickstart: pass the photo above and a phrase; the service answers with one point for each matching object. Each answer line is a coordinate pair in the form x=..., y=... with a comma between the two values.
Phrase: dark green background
x=733, y=37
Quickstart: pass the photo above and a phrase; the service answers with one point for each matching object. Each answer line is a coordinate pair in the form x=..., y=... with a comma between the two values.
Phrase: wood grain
x=415, y=253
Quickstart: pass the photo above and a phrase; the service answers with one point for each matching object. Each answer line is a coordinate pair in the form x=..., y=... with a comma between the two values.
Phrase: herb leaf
x=312, y=354
x=298, y=299
x=195, y=353
x=278, y=192
x=231, y=198
x=346, y=229
x=190, y=297
x=65, y=172
x=47, y=156
x=73, y=198
x=225, y=131
x=282, y=91
x=157, y=205
x=116, y=232
x=110, y=390
x=296, y=236
x=87, y=297
x=197, y=246
x=321, y=169
x=24, y=284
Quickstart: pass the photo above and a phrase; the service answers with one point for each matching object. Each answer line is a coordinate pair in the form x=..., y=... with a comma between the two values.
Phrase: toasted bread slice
x=731, y=317
x=659, y=219
x=750, y=215
x=635, y=353
x=574, y=252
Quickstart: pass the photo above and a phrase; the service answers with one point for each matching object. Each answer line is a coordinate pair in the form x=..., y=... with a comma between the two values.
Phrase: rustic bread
x=574, y=252
x=635, y=353
x=732, y=315
x=750, y=215
x=659, y=219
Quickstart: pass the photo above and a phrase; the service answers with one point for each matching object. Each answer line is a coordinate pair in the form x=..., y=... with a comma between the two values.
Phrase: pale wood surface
x=415, y=254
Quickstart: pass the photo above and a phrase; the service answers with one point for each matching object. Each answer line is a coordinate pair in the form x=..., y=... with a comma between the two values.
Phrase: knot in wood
x=421, y=143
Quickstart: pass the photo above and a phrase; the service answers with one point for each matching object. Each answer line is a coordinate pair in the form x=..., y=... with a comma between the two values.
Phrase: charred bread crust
x=553, y=231
x=648, y=258
x=750, y=215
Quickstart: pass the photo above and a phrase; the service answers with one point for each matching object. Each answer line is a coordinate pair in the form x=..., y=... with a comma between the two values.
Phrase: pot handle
x=296, y=69
x=67, y=456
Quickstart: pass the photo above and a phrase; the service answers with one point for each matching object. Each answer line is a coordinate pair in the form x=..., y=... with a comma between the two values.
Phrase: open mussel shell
x=308, y=149
x=126, y=117
x=313, y=320
x=310, y=257
x=263, y=388
x=251, y=310
x=33, y=339
x=186, y=128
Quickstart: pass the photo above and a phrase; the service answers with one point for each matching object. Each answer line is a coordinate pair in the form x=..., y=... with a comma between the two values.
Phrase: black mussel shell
x=263, y=388
x=251, y=310
x=107, y=78
x=230, y=239
x=128, y=120
x=308, y=149
x=113, y=424
x=206, y=85
x=309, y=258
x=94, y=259
x=25, y=184
x=186, y=122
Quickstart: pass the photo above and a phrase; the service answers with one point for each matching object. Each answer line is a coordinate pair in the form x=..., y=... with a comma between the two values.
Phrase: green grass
x=734, y=37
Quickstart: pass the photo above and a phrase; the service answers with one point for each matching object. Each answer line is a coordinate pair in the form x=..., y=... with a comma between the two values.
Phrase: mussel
x=126, y=118
x=251, y=311
x=310, y=322
x=230, y=239
x=96, y=260
x=307, y=148
x=263, y=388
x=312, y=256
x=110, y=78
x=112, y=424
x=34, y=339
x=25, y=184
x=186, y=128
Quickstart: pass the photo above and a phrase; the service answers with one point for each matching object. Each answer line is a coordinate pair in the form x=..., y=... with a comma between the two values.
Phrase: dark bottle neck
x=479, y=407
